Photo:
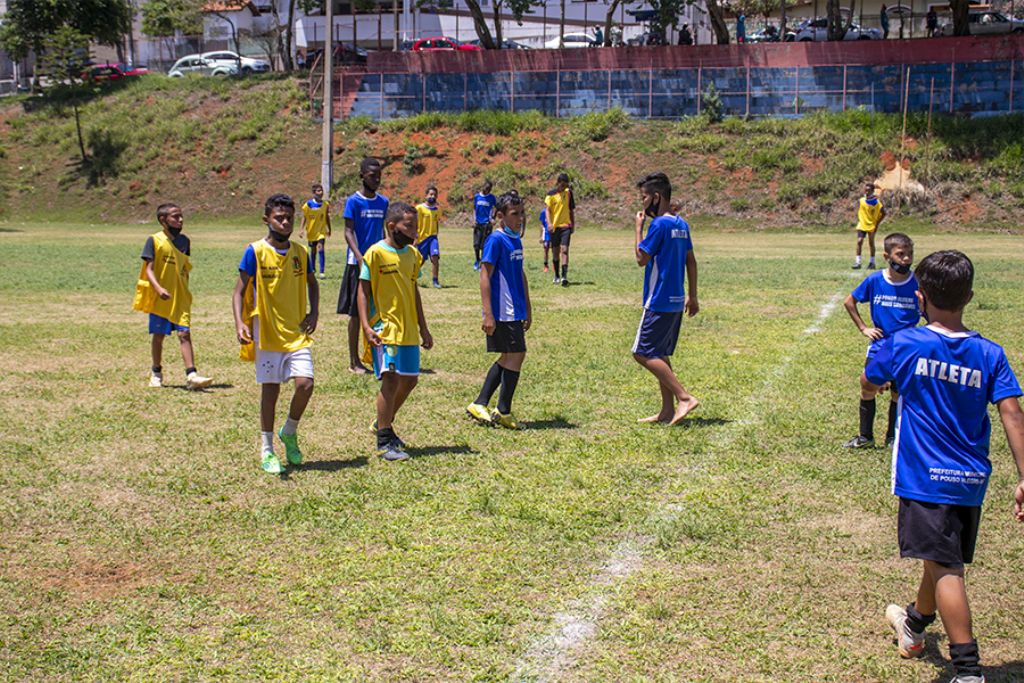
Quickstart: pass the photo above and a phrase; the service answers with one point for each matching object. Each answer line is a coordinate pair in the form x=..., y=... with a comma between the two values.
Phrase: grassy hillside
x=219, y=146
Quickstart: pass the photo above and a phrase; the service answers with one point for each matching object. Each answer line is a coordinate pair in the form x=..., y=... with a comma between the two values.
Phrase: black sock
x=557, y=263
x=158, y=369
x=476, y=251
x=966, y=660
x=385, y=436
x=189, y=371
x=509, y=380
x=890, y=430
x=565, y=271
x=916, y=621
x=491, y=383
x=867, y=418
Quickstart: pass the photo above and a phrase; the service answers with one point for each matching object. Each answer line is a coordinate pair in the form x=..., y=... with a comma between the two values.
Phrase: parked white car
x=572, y=40
x=817, y=31
x=987, y=23
x=249, y=64
x=195, y=64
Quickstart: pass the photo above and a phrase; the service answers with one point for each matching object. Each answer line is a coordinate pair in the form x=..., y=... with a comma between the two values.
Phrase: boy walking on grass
x=946, y=375
x=276, y=305
x=545, y=236
x=364, y=227
x=666, y=255
x=893, y=296
x=560, y=207
x=483, y=213
x=391, y=315
x=428, y=218
x=507, y=313
x=316, y=225
x=162, y=292
x=870, y=214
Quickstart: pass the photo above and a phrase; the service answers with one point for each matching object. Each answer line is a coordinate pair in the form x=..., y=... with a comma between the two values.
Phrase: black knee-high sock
x=491, y=383
x=565, y=271
x=916, y=621
x=509, y=380
x=556, y=261
x=476, y=252
x=867, y=418
x=966, y=660
x=890, y=430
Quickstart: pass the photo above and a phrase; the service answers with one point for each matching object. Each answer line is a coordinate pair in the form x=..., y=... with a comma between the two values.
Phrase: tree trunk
x=782, y=21
x=561, y=25
x=836, y=29
x=284, y=37
x=497, y=25
x=961, y=17
x=78, y=129
x=717, y=17
x=609, y=17
x=480, y=25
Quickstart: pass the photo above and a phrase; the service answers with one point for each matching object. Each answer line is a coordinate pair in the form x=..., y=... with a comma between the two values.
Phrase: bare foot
x=358, y=370
x=660, y=417
x=683, y=409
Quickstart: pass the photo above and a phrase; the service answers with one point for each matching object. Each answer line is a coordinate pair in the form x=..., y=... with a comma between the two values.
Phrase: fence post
x=844, y=87
x=650, y=91
x=382, y=95
x=608, y=104
x=465, y=90
x=700, y=74
x=423, y=92
x=952, y=80
x=796, y=101
x=747, y=114
x=1013, y=63
x=558, y=91
x=512, y=91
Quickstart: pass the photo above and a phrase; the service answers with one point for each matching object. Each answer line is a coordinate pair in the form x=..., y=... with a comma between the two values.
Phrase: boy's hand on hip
x=872, y=333
x=692, y=306
x=428, y=339
x=244, y=334
x=488, y=325
x=308, y=324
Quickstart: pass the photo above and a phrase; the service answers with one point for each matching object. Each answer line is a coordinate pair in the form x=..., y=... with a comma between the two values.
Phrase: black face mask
x=401, y=239
x=651, y=210
x=278, y=237
x=174, y=231
x=901, y=268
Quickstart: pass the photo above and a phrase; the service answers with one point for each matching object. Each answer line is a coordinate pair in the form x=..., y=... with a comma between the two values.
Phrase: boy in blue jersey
x=507, y=313
x=946, y=375
x=483, y=212
x=545, y=236
x=666, y=255
x=893, y=296
x=364, y=227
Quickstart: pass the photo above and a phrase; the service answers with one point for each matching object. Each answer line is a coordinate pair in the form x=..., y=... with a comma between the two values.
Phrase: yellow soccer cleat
x=504, y=421
x=479, y=413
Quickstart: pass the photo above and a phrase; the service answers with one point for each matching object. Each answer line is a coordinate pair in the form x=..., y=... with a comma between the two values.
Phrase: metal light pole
x=327, y=144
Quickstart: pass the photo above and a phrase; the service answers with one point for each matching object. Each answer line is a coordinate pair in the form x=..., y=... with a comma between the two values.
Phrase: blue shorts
x=429, y=247
x=657, y=335
x=401, y=360
x=547, y=236
x=872, y=350
x=158, y=325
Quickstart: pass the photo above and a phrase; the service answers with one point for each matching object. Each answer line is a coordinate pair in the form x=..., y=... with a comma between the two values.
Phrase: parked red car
x=112, y=72
x=442, y=43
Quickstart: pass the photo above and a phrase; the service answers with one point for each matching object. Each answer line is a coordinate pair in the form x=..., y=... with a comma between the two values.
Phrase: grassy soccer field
x=141, y=541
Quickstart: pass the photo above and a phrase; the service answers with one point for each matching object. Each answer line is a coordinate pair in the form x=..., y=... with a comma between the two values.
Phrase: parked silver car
x=988, y=23
x=249, y=64
x=195, y=64
x=572, y=40
x=817, y=31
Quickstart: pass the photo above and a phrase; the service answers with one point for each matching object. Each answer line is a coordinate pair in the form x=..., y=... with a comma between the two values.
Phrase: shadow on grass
x=182, y=387
x=427, y=371
x=10, y=230
x=428, y=451
x=332, y=465
x=584, y=283
x=1011, y=672
x=701, y=422
x=553, y=423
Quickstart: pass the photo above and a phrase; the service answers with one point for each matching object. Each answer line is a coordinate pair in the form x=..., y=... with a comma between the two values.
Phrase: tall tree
x=609, y=18
x=717, y=16
x=836, y=27
x=480, y=24
x=28, y=24
x=961, y=17
x=62, y=57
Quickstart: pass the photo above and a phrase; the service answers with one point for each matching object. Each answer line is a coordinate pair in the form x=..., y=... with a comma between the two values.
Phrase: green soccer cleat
x=504, y=421
x=271, y=463
x=479, y=413
x=291, y=446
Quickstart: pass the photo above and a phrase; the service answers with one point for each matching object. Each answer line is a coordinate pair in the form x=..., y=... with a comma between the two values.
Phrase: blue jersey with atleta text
x=893, y=304
x=946, y=381
x=667, y=242
x=504, y=250
x=544, y=219
x=367, y=217
x=483, y=204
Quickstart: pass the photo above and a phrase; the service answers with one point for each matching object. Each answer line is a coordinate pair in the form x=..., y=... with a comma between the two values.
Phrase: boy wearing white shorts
x=274, y=326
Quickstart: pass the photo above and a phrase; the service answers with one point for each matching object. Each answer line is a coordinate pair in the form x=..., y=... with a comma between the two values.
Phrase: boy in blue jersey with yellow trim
x=666, y=255
x=428, y=219
x=507, y=312
x=483, y=214
x=893, y=296
x=316, y=225
x=947, y=375
x=545, y=236
x=364, y=227
x=391, y=315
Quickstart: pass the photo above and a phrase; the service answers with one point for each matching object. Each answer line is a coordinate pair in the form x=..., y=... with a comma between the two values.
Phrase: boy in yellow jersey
x=162, y=292
x=560, y=207
x=870, y=214
x=391, y=315
x=316, y=225
x=271, y=314
x=428, y=216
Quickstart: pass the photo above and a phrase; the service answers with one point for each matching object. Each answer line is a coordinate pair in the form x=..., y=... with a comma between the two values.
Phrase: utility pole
x=326, y=153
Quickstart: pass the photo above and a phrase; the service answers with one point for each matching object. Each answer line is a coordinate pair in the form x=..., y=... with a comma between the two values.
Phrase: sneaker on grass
x=479, y=413
x=859, y=442
x=910, y=644
x=504, y=421
x=156, y=381
x=373, y=430
x=393, y=452
x=196, y=381
x=291, y=446
x=271, y=463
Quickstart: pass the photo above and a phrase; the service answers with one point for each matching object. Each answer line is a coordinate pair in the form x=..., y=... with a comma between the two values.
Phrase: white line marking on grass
x=551, y=654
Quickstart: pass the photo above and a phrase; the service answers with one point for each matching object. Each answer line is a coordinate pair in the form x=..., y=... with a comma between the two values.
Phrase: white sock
x=268, y=441
x=290, y=426
x=856, y=259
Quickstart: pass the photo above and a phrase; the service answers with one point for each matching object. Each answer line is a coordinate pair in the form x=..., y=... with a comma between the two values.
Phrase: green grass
x=142, y=542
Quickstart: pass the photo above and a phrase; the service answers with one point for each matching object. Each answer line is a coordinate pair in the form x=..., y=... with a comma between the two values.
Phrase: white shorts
x=277, y=367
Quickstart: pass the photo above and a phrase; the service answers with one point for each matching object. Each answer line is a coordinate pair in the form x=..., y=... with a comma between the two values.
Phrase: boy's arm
x=151, y=276
x=881, y=217
x=327, y=215
x=572, y=211
x=350, y=239
x=302, y=224
x=242, y=330
x=486, y=270
x=529, y=305
x=1013, y=422
x=428, y=339
x=362, y=297
x=308, y=324
x=692, y=305
x=642, y=257
x=872, y=333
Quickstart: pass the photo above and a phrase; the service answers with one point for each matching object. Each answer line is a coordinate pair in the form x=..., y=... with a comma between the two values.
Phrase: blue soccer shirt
x=504, y=250
x=367, y=217
x=946, y=381
x=483, y=204
x=667, y=242
x=893, y=305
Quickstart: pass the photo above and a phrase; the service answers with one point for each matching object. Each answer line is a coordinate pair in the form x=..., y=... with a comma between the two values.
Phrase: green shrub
x=711, y=104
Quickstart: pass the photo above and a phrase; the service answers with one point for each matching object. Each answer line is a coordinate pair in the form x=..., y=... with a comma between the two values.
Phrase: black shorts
x=312, y=245
x=509, y=337
x=480, y=233
x=938, y=532
x=347, y=295
x=561, y=237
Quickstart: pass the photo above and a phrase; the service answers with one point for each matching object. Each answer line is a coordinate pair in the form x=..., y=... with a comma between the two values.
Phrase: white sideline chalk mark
x=551, y=654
